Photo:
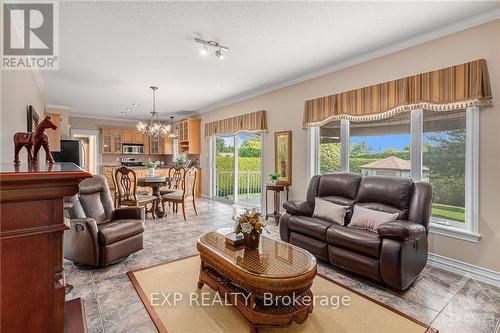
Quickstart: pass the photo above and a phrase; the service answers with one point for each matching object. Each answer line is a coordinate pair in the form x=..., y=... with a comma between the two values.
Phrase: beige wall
x=19, y=89
x=95, y=124
x=285, y=107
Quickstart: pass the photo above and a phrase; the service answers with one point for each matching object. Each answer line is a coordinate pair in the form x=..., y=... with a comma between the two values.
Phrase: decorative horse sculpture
x=37, y=139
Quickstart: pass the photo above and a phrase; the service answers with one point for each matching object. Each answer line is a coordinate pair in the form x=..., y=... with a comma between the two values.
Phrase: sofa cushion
x=310, y=226
x=90, y=190
x=317, y=248
x=329, y=211
x=93, y=207
x=119, y=229
x=354, y=262
x=390, y=192
x=370, y=219
x=341, y=184
x=356, y=240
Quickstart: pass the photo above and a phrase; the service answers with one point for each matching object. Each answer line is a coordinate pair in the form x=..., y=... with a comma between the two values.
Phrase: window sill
x=454, y=232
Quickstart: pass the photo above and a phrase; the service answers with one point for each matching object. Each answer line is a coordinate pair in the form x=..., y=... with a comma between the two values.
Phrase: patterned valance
x=250, y=122
x=448, y=89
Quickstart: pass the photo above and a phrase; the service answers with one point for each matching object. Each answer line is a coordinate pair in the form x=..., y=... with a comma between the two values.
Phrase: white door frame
x=95, y=133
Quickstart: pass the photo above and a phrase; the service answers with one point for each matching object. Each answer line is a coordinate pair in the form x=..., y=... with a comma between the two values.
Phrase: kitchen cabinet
x=154, y=145
x=189, y=136
x=130, y=135
x=54, y=135
x=111, y=141
x=106, y=140
x=117, y=141
x=161, y=146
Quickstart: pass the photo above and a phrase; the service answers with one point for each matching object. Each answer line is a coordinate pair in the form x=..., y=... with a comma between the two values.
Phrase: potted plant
x=151, y=167
x=273, y=177
x=180, y=160
x=251, y=224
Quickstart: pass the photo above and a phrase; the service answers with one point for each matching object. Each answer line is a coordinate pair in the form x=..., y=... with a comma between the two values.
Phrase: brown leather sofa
x=100, y=234
x=394, y=256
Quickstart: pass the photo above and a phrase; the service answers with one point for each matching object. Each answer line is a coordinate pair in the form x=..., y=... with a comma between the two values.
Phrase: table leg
x=266, y=205
x=159, y=213
x=276, y=213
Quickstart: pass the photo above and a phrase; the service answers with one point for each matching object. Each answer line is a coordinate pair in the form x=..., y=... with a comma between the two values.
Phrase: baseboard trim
x=459, y=267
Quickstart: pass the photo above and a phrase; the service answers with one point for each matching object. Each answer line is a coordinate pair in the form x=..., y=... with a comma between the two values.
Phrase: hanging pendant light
x=172, y=133
x=155, y=128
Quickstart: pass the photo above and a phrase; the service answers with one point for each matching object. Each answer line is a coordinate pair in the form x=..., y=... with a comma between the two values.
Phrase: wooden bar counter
x=32, y=226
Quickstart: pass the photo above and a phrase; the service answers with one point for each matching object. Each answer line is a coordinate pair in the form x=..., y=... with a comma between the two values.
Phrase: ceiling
x=111, y=52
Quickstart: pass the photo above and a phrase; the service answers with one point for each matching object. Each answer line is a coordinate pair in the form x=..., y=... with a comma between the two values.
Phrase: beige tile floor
x=450, y=302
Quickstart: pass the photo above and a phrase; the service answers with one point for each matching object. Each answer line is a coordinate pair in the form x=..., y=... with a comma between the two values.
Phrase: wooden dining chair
x=115, y=190
x=175, y=176
x=125, y=181
x=184, y=192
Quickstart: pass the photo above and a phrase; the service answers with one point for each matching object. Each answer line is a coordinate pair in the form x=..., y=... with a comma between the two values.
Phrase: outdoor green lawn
x=454, y=213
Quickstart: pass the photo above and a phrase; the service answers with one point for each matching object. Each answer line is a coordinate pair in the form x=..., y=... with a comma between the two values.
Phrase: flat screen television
x=71, y=151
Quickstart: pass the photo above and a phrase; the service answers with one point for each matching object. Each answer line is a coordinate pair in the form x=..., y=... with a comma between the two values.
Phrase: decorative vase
x=151, y=172
x=251, y=243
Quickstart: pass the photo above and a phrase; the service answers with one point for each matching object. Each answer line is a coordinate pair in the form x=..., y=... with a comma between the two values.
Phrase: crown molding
x=57, y=106
x=87, y=116
x=441, y=32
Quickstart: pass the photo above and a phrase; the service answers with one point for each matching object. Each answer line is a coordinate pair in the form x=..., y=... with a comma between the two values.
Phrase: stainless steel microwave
x=133, y=149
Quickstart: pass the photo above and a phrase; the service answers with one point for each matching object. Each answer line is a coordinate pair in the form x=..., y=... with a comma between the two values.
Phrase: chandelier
x=154, y=128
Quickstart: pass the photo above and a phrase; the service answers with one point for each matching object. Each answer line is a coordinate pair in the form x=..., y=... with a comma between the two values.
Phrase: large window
x=381, y=148
x=443, y=151
x=329, y=148
x=439, y=147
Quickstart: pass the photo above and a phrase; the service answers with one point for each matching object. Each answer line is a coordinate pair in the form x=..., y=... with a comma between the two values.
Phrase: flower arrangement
x=151, y=165
x=251, y=224
x=180, y=160
x=273, y=176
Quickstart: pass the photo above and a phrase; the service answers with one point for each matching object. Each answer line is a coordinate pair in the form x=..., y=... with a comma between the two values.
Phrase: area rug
x=171, y=297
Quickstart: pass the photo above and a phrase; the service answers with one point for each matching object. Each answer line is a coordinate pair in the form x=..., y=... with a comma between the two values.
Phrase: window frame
x=469, y=230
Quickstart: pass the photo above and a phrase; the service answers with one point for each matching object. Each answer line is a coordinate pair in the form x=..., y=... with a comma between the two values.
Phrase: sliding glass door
x=237, y=164
x=224, y=160
x=248, y=168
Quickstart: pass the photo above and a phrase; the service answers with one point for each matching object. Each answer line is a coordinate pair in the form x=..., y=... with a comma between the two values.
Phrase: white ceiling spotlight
x=206, y=44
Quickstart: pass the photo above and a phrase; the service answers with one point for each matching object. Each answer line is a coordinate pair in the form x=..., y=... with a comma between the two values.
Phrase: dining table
x=155, y=183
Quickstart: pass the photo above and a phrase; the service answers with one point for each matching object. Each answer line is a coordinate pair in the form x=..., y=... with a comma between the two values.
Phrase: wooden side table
x=277, y=189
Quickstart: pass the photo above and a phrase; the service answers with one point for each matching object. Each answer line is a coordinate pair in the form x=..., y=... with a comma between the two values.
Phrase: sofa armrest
x=80, y=242
x=86, y=224
x=401, y=230
x=129, y=213
x=296, y=207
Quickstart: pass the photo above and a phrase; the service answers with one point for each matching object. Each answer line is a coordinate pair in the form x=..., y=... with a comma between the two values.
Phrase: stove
x=132, y=162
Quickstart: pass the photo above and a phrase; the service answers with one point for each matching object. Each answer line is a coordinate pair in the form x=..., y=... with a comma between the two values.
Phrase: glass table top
x=273, y=258
x=40, y=167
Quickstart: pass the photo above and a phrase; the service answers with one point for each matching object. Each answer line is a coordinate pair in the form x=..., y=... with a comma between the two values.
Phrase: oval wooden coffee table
x=270, y=286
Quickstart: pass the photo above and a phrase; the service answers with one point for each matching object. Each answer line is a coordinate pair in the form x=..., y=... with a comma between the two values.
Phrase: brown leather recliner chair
x=394, y=256
x=100, y=234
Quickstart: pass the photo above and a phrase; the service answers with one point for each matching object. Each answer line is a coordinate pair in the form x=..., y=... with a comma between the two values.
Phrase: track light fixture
x=206, y=44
